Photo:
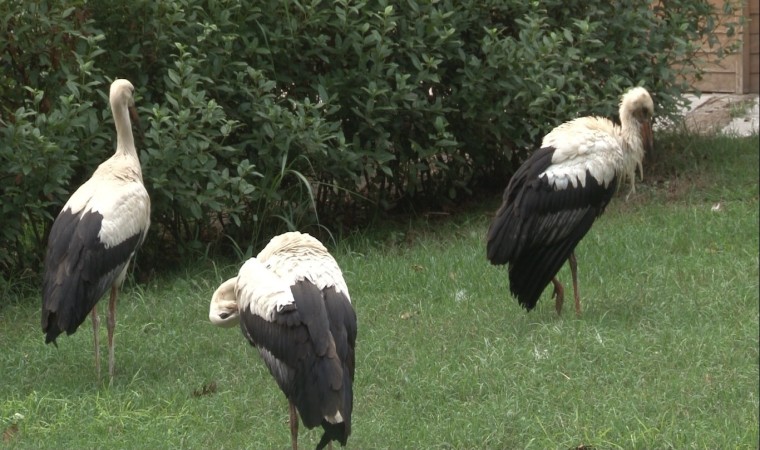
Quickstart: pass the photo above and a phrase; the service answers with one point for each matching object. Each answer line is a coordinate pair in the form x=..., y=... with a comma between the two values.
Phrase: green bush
x=311, y=114
x=50, y=122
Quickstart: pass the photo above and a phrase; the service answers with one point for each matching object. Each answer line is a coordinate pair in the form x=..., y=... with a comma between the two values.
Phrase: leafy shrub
x=310, y=114
x=182, y=148
x=51, y=135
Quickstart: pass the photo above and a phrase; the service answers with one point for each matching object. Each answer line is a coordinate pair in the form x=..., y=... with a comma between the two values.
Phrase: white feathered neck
x=121, y=98
x=124, y=165
x=635, y=105
x=121, y=173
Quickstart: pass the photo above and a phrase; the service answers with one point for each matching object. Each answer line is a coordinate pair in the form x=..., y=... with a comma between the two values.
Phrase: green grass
x=665, y=354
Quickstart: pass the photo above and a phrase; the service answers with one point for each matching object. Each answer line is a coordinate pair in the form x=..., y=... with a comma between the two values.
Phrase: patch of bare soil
x=715, y=113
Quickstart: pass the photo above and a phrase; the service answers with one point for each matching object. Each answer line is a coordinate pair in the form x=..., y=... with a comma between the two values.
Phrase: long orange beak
x=646, y=136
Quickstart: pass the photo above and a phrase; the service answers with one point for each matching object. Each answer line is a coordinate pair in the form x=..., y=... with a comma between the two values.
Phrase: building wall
x=738, y=72
x=752, y=51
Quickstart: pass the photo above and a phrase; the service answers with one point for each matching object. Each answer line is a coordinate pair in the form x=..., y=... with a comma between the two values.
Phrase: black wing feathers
x=532, y=271
x=323, y=375
x=79, y=269
x=537, y=226
x=343, y=328
x=342, y=325
x=503, y=233
x=302, y=340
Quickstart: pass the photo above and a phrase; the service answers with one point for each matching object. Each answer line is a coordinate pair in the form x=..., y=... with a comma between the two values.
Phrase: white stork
x=293, y=305
x=555, y=196
x=96, y=235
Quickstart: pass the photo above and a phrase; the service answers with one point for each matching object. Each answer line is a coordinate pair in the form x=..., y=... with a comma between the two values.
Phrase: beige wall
x=738, y=72
x=752, y=50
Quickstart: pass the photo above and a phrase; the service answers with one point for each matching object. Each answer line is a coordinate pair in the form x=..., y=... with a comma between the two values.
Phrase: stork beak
x=136, y=121
x=133, y=113
x=646, y=136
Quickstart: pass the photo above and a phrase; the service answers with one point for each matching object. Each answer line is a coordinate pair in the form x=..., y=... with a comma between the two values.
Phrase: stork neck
x=125, y=142
x=633, y=146
x=631, y=131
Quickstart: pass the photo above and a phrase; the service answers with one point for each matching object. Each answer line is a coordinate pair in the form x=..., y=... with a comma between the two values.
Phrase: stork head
x=122, y=93
x=122, y=102
x=223, y=311
x=637, y=108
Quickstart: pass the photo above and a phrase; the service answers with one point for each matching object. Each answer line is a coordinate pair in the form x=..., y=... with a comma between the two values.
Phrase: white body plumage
x=601, y=148
x=587, y=145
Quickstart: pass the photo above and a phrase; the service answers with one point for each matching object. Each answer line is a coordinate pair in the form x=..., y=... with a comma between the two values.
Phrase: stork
x=293, y=305
x=556, y=195
x=95, y=236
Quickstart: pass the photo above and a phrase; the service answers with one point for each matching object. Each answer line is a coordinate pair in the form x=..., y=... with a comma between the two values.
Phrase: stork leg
x=559, y=295
x=293, y=425
x=95, y=338
x=111, y=322
x=574, y=271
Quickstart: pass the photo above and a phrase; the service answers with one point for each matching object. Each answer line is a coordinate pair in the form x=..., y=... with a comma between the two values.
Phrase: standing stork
x=293, y=305
x=96, y=235
x=555, y=196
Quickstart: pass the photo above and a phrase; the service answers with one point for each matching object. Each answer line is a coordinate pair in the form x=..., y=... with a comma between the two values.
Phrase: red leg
x=574, y=272
x=293, y=425
x=111, y=322
x=95, y=338
x=559, y=295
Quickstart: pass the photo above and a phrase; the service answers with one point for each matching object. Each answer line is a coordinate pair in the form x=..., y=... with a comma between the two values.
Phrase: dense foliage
x=290, y=114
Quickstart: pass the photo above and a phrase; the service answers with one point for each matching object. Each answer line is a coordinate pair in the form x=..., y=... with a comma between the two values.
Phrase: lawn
x=665, y=354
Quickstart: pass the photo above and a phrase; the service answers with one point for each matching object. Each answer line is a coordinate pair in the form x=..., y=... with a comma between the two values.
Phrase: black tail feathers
x=333, y=432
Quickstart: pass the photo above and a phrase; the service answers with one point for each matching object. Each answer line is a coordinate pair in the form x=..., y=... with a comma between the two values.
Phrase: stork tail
x=332, y=432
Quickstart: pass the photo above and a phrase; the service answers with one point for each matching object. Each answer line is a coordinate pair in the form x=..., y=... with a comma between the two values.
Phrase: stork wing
x=544, y=205
x=88, y=249
x=296, y=328
x=342, y=325
x=300, y=352
x=124, y=216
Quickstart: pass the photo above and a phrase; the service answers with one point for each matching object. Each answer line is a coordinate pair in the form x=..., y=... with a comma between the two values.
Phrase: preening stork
x=293, y=305
x=95, y=236
x=554, y=197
